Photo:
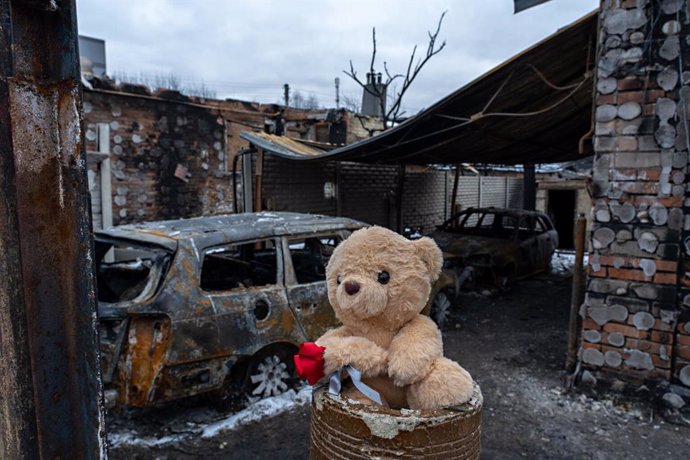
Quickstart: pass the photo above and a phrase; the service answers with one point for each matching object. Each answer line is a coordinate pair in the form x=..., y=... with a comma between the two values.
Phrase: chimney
x=371, y=105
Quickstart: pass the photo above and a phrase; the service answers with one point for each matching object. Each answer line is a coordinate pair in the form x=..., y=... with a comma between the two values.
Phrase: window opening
x=310, y=256
x=240, y=266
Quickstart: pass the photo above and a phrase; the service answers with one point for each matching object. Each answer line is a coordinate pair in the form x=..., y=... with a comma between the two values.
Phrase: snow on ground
x=562, y=262
x=268, y=407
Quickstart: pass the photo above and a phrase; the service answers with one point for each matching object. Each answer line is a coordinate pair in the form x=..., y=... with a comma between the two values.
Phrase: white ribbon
x=335, y=384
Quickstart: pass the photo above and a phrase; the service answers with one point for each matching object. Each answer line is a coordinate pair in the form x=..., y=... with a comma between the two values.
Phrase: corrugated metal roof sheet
x=283, y=145
x=533, y=108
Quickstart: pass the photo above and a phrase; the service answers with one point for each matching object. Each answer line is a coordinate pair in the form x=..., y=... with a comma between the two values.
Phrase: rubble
x=673, y=400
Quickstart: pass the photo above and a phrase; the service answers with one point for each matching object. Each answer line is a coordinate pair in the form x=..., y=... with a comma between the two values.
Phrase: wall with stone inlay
x=149, y=139
x=637, y=304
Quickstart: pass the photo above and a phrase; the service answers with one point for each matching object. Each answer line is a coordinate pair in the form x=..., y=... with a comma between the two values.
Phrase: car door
x=244, y=283
x=529, y=246
x=305, y=271
x=545, y=242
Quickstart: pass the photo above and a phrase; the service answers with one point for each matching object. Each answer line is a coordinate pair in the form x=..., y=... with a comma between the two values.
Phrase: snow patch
x=563, y=262
x=263, y=408
x=268, y=407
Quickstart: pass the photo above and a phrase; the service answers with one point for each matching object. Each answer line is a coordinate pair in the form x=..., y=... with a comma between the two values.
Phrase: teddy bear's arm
x=359, y=352
x=343, y=348
x=413, y=350
x=332, y=335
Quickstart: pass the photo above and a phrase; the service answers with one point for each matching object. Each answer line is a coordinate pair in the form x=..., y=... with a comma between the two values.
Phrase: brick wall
x=299, y=186
x=426, y=199
x=149, y=139
x=634, y=325
x=152, y=133
x=368, y=193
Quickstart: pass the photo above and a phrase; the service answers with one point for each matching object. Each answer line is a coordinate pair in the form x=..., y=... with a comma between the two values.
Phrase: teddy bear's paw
x=368, y=357
x=446, y=384
x=358, y=352
x=333, y=360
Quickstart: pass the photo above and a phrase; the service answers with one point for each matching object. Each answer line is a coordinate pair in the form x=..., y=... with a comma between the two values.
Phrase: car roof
x=214, y=230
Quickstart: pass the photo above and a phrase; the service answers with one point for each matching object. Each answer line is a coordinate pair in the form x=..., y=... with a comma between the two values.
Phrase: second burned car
x=499, y=245
x=490, y=246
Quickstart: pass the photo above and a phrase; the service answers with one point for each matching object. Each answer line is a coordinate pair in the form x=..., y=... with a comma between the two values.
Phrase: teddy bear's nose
x=351, y=288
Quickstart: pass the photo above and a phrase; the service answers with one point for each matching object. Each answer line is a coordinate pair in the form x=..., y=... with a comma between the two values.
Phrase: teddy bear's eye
x=384, y=277
x=338, y=280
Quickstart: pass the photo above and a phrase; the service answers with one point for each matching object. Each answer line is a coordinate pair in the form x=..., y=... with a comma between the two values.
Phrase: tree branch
x=391, y=115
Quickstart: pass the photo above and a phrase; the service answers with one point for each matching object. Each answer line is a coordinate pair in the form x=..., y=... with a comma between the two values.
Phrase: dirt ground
x=513, y=343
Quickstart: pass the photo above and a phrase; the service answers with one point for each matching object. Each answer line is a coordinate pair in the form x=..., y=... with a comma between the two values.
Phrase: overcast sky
x=249, y=49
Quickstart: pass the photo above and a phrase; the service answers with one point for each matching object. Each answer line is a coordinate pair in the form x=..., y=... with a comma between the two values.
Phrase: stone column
x=634, y=314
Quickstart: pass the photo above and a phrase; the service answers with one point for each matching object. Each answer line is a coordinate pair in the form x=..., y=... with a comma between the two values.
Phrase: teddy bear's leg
x=446, y=384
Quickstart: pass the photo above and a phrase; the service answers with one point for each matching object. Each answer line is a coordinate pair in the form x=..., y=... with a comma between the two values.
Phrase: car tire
x=440, y=309
x=270, y=374
x=504, y=277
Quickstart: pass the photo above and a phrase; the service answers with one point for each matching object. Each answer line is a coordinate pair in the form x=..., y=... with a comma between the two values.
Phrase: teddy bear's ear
x=431, y=255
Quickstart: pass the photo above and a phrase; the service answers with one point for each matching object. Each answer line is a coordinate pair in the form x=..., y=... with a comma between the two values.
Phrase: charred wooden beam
x=50, y=400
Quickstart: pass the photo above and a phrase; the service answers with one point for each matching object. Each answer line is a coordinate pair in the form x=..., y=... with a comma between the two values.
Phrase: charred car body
x=190, y=306
x=489, y=246
x=496, y=246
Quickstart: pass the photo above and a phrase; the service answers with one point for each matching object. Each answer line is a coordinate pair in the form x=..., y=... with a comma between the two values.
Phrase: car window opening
x=310, y=256
x=240, y=266
x=125, y=271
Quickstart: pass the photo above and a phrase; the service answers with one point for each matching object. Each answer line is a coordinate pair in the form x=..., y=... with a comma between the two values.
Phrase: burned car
x=489, y=246
x=496, y=246
x=211, y=304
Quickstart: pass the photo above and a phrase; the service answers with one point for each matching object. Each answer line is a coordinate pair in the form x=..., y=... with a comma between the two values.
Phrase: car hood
x=468, y=245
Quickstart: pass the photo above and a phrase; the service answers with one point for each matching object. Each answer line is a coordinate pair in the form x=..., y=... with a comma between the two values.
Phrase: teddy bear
x=378, y=283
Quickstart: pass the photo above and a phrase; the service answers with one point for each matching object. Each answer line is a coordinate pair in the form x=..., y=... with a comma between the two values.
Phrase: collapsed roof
x=534, y=108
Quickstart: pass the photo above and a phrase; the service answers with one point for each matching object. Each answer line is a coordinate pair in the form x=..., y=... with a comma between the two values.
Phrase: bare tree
x=310, y=102
x=393, y=113
x=166, y=81
x=352, y=104
x=297, y=100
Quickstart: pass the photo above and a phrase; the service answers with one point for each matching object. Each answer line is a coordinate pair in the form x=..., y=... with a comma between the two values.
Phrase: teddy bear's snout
x=351, y=287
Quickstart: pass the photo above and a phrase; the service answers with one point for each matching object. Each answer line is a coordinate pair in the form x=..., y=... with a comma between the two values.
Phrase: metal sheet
x=522, y=5
x=533, y=108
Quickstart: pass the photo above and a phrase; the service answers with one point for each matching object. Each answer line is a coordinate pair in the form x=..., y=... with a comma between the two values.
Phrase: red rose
x=309, y=362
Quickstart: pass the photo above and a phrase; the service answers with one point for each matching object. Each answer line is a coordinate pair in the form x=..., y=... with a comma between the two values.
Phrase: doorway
x=561, y=209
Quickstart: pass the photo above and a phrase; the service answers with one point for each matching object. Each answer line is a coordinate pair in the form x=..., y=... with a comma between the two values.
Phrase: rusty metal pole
x=50, y=398
x=576, y=297
x=258, y=181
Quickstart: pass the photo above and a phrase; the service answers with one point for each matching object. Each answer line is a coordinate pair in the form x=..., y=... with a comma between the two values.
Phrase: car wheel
x=504, y=277
x=440, y=309
x=269, y=375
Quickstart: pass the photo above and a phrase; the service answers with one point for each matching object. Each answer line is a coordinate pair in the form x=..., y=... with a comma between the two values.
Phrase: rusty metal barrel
x=346, y=429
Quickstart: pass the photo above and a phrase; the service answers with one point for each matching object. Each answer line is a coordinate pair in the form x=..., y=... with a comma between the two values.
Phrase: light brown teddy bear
x=378, y=283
